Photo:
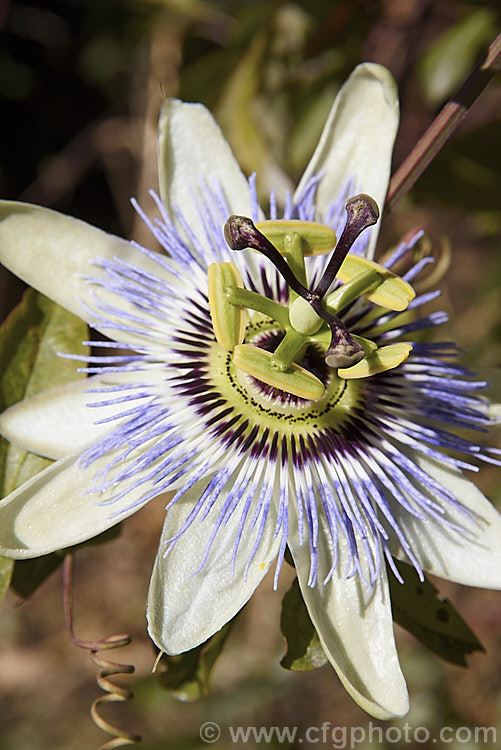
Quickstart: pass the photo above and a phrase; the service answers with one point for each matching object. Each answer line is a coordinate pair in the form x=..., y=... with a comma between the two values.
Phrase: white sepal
x=357, y=141
x=354, y=624
x=53, y=253
x=473, y=557
x=186, y=605
x=55, y=509
x=193, y=156
x=58, y=422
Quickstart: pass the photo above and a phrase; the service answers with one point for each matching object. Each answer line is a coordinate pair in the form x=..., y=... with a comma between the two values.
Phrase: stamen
x=308, y=311
x=390, y=290
x=363, y=212
x=384, y=358
x=295, y=380
x=227, y=319
x=240, y=232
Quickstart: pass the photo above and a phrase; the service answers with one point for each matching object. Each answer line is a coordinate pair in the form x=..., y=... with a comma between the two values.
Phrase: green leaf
x=432, y=620
x=30, y=339
x=448, y=60
x=243, y=122
x=304, y=651
x=6, y=567
x=187, y=676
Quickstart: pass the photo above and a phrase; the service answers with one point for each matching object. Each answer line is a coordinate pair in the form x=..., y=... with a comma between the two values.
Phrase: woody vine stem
x=442, y=127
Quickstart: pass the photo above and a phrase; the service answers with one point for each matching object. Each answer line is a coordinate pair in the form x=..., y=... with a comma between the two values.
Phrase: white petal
x=54, y=509
x=59, y=421
x=495, y=412
x=357, y=141
x=52, y=252
x=473, y=560
x=185, y=608
x=193, y=153
x=355, y=627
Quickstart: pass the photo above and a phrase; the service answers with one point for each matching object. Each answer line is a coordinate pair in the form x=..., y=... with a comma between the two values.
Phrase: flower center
x=313, y=361
x=310, y=322
x=274, y=411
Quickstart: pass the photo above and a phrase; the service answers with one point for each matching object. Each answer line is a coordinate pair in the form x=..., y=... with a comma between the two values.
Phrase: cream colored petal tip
x=356, y=633
x=354, y=624
x=59, y=422
x=495, y=413
x=471, y=555
x=193, y=157
x=191, y=598
x=55, y=509
x=53, y=253
x=357, y=142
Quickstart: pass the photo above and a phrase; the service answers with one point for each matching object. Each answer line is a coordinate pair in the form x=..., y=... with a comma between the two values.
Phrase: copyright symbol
x=210, y=731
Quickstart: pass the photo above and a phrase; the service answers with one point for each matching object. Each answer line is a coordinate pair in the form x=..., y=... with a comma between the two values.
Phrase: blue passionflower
x=224, y=379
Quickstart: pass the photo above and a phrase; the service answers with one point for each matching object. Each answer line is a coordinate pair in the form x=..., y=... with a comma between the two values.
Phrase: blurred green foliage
x=31, y=339
x=449, y=59
x=269, y=70
x=467, y=174
x=432, y=620
x=304, y=651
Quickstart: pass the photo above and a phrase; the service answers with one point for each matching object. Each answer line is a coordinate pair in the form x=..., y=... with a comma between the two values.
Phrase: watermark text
x=347, y=738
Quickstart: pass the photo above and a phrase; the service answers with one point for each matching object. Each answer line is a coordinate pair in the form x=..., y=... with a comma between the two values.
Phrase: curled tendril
x=430, y=245
x=114, y=693
x=436, y=247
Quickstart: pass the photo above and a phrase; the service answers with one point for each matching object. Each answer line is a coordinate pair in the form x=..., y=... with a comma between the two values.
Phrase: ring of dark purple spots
x=291, y=418
x=258, y=325
x=197, y=386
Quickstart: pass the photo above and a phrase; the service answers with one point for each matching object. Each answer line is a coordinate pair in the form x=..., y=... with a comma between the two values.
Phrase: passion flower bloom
x=274, y=400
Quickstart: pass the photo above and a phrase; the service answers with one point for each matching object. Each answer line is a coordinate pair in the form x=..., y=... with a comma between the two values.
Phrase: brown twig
x=444, y=125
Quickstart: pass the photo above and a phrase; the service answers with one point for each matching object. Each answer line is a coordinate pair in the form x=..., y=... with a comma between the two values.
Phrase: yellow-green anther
x=393, y=292
x=367, y=345
x=303, y=317
x=294, y=255
x=296, y=380
x=228, y=320
x=381, y=360
x=317, y=239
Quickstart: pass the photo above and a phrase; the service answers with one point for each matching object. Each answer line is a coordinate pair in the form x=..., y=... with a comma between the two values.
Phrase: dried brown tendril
x=436, y=246
x=114, y=693
x=430, y=245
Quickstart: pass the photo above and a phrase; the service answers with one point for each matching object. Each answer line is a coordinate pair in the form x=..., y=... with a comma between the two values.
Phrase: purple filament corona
x=177, y=431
